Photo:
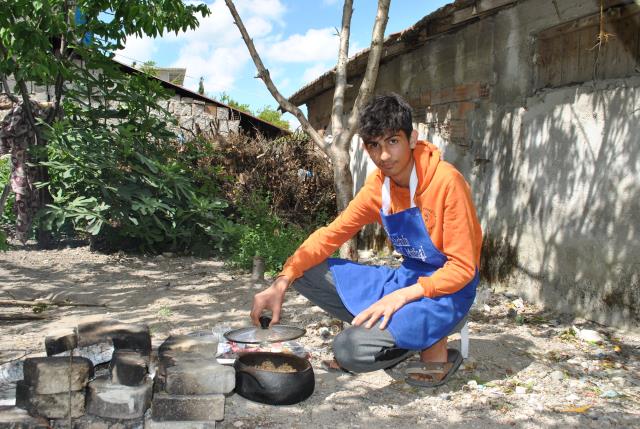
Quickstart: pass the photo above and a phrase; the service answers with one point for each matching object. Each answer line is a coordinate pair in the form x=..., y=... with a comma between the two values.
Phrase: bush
x=295, y=174
x=260, y=232
x=7, y=217
x=119, y=175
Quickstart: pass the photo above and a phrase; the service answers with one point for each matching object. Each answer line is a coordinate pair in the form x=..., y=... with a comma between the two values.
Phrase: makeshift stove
x=105, y=374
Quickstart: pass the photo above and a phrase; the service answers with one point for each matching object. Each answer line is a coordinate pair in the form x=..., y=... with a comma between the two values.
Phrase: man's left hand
x=387, y=305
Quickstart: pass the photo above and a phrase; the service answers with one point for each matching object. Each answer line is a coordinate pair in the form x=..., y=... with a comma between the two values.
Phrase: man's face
x=391, y=153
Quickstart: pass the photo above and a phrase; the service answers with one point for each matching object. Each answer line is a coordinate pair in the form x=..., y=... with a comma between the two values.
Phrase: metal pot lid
x=264, y=333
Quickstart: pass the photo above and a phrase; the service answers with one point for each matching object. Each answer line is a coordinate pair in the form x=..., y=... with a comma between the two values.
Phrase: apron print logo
x=399, y=241
x=429, y=218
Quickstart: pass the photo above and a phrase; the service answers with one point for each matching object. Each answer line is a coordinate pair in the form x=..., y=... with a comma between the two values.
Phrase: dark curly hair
x=384, y=114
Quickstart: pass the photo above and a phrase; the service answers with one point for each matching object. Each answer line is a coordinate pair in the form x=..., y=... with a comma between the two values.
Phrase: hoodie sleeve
x=362, y=210
x=460, y=241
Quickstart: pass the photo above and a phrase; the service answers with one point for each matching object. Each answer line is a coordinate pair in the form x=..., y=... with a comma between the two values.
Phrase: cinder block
x=15, y=418
x=200, y=377
x=122, y=335
x=60, y=342
x=188, y=408
x=50, y=375
x=129, y=367
x=205, y=345
x=116, y=401
x=57, y=405
x=95, y=422
x=151, y=424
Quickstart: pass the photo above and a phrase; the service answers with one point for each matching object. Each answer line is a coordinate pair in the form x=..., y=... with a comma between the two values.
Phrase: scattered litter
x=588, y=335
x=609, y=394
x=581, y=409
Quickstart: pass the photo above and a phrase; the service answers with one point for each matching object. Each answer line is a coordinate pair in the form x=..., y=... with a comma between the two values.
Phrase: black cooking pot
x=272, y=387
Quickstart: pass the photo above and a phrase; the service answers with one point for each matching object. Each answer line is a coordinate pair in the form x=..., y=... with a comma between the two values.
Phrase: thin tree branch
x=7, y=90
x=55, y=112
x=371, y=73
x=45, y=302
x=341, y=70
x=263, y=74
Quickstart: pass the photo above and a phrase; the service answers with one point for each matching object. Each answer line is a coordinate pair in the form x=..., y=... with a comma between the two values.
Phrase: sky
x=296, y=40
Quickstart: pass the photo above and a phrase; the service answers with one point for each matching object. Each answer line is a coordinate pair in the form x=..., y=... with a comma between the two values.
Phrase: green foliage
x=31, y=32
x=150, y=68
x=273, y=116
x=118, y=175
x=260, y=232
x=226, y=99
x=201, y=86
x=7, y=217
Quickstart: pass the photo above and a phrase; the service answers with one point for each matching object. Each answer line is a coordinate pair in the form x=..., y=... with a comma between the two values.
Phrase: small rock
x=619, y=381
x=445, y=396
x=518, y=303
x=238, y=424
x=472, y=384
x=521, y=390
x=325, y=332
x=486, y=308
x=588, y=335
x=557, y=375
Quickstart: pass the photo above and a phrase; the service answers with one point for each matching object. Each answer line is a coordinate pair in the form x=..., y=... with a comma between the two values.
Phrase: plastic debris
x=588, y=335
x=609, y=394
x=581, y=409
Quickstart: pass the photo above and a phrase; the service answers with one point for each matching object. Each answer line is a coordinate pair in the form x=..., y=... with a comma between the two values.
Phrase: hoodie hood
x=427, y=157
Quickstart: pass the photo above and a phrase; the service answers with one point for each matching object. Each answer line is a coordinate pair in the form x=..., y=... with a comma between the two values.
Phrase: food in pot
x=268, y=365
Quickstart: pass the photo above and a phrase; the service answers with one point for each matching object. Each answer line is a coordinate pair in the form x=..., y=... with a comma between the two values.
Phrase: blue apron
x=418, y=324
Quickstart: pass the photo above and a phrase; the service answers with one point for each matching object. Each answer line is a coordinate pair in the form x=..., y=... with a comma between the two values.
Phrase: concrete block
x=152, y=424
x=50, y=375
x=60, y=342
x=128, y=367
x=189, y=408
x=15, y=418
x=122, y=335
x=23, y=393
x=116, y=401
x=200, y=377
x=56, y=406
x=95, y=422
x=204, y=345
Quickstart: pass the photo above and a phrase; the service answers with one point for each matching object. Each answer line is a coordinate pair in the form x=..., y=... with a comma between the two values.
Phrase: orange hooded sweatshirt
x=444, y=199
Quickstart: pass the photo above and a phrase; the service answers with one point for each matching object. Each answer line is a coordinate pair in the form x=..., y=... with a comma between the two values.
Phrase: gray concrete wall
x=555, y=172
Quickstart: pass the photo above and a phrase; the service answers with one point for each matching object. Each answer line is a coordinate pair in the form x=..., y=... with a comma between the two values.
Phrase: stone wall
x=544, y=125
x=193, y=116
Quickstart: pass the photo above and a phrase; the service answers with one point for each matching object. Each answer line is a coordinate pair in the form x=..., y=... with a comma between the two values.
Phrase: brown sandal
x=433, y=374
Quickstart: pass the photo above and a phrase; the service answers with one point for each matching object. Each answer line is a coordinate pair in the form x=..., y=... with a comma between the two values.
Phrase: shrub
x=260, y=232
x=119, y=175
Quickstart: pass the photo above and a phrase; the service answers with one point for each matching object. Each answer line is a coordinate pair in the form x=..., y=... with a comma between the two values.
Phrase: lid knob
x=264, y=322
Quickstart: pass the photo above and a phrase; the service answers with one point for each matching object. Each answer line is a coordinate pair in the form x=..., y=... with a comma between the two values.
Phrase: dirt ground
x=528, y=368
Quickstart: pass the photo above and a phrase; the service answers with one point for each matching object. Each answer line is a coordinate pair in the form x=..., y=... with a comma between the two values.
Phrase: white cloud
x=315, y=45
x=315, y=71
x=137, y=49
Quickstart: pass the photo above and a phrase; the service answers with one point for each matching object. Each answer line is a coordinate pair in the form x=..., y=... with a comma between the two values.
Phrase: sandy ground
x=527, y=368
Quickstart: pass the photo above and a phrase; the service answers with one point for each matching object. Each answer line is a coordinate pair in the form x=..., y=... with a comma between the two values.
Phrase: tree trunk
x=343, y=181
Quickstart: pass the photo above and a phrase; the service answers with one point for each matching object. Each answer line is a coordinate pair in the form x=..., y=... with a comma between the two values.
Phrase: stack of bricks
x=122, y=397
x=190, y=385
x=54, y=387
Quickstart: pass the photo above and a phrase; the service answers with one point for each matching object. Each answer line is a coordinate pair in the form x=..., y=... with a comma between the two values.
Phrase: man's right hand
x=270, y=299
